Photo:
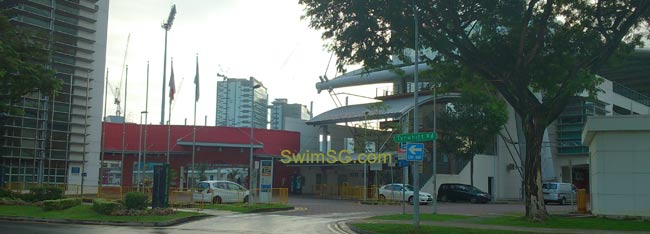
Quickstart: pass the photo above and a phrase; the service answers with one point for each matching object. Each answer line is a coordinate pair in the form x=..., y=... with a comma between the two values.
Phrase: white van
x=562, y=193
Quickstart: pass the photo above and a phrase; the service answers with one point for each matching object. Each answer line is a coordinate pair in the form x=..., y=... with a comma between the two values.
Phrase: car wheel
x=216, y=200
x=382, y=197
x=411, y=200
x=246, y=199
x=473, y=200
x=443, y=198
x=563, y=201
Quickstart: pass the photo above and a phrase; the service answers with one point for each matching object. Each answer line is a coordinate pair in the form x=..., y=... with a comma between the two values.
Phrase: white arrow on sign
x=414, y=149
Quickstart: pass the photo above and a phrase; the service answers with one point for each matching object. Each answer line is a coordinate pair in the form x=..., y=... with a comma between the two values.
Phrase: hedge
x=60, y=204
x=43, y=193
x=105, y=207
x=136, y=201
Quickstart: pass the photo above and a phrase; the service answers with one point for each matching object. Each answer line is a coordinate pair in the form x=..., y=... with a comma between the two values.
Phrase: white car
x=220, y=191
x=401, y=192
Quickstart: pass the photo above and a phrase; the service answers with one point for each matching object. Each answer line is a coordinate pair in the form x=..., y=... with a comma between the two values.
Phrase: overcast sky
x=263, y=39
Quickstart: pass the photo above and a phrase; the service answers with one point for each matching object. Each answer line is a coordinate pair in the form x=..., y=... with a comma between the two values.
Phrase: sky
x=238, y=38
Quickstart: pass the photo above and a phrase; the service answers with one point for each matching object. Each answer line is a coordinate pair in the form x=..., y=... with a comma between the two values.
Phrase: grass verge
x=572, y=223
x=423, y=217
x=246, y=208
x=86, y=213
x=408, y=228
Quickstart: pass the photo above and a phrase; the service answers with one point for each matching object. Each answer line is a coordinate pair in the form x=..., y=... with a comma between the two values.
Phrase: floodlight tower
x=167, y=25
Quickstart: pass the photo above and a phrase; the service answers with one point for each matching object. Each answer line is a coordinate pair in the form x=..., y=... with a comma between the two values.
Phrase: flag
x=196, y=79
x=172, y=86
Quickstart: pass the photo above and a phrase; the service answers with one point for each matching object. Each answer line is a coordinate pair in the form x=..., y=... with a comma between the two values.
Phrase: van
x=561, y=193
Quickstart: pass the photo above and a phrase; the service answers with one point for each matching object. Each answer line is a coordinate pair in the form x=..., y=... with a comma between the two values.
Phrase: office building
x=281, y=110
x=57, y=140
x=237, y=100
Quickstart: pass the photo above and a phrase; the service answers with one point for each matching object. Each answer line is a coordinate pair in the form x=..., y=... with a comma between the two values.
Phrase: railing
x=631, y=94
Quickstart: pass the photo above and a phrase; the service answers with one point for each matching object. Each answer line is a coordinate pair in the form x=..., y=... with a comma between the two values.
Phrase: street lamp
x=140, y=151
x=250, y=158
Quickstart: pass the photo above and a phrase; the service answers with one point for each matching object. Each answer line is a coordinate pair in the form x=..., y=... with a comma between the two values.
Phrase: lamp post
x=140, y=167
x=167, y=26
x=250, y=158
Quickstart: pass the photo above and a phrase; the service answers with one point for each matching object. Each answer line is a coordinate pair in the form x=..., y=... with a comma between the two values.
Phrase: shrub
x=60, y=204
x=43, y=193
x=5, y=193
x=12, y=201
x=136, y=201
x=105, y=207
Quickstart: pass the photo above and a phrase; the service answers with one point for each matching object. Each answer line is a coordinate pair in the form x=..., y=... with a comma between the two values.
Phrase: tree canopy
x=537, y=54
x=24, y=66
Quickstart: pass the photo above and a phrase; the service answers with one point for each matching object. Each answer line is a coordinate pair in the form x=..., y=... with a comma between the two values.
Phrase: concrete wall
x=620, y=155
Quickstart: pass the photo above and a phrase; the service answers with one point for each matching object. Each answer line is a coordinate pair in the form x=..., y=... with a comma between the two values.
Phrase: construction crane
x=116, y=90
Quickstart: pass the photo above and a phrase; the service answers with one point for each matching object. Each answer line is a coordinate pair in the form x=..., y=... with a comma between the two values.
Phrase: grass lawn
x=423, y=217
x=572, y=223
x=245, y=208
x=408, y=228
x=84, y=212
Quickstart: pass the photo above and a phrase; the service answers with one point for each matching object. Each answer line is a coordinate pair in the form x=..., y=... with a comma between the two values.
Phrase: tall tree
x=24, y=67
x=536, y=53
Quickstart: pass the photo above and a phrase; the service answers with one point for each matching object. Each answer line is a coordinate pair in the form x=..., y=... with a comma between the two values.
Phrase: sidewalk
x=461, y=224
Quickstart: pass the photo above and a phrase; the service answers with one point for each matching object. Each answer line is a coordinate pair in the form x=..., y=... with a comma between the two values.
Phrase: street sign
x=402, y=163
x=401, y=148
x=414, y=151
x=415, y=137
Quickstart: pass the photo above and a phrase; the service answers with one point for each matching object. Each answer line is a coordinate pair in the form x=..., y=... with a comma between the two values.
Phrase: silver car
x=561, y=193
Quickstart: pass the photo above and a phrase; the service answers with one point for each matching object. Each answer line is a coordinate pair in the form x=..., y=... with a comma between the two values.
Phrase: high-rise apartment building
x=57, y=140
x=281, y=109
x=237, y=99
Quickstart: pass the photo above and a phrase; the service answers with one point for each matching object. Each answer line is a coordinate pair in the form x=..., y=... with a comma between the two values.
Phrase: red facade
x=217, y=147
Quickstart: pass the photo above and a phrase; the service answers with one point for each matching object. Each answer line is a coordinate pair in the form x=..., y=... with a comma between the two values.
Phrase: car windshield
x=409, y=188
x=549, y=186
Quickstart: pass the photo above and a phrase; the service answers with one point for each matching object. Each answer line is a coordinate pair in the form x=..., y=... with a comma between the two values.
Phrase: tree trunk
x=535, y=208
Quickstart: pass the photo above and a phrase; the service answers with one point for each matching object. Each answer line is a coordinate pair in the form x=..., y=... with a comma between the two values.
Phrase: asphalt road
x=313, y=215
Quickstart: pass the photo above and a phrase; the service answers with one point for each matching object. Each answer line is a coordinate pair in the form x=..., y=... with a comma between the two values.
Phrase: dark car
x=462, y=192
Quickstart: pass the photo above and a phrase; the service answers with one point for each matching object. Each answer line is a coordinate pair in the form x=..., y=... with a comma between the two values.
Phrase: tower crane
x=116, y=90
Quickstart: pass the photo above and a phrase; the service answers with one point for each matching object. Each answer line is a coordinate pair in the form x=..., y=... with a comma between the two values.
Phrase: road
x=312, y=216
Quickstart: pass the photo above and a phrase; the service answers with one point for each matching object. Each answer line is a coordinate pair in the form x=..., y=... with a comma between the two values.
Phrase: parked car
x=562, y=193
x=462, y=192
x=394, y=192
x=220, y=191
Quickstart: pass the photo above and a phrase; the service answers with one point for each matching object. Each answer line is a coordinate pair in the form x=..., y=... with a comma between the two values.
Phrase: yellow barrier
x=581, y=200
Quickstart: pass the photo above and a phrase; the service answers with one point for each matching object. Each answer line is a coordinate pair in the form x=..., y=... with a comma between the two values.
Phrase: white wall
x=482, y=170
x=620, y=159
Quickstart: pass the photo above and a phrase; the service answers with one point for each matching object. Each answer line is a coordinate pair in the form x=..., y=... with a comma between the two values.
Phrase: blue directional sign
x=414, y=152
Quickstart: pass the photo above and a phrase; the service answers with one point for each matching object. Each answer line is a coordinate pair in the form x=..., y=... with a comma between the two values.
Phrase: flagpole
x=196, y=99
x=146, y=115
x=126, y=83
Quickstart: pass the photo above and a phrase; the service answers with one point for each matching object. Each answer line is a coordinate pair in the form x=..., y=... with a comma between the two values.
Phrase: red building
x=222, y=153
